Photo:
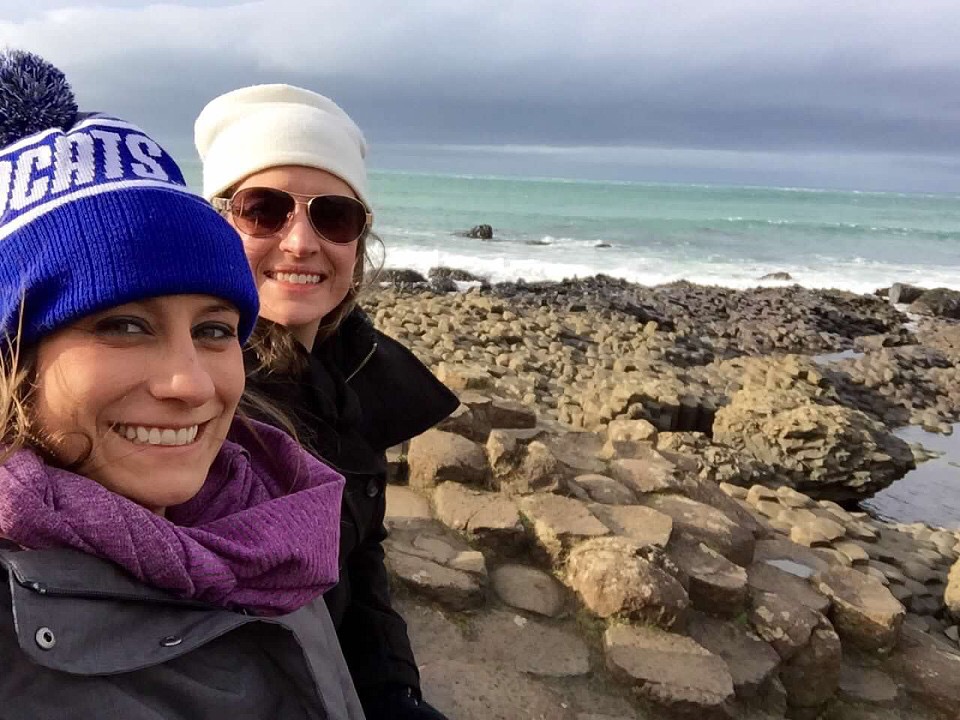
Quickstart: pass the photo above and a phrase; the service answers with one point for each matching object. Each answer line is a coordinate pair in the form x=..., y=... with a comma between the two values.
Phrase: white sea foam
x=509, y=263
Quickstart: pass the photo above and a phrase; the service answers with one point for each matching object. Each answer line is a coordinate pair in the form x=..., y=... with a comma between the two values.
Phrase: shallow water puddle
x=830, y=358
x=931, y=493
x=792, y=567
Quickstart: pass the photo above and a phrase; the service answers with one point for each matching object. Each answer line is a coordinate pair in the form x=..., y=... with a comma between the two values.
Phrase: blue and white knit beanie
x=94, y=214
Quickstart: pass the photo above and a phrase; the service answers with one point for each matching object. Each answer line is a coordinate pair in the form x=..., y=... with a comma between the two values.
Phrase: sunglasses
x=260, y=211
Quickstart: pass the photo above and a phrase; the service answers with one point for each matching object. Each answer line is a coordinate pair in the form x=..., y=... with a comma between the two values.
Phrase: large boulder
x=825, y=450
x=613, y=578
x=940, y=302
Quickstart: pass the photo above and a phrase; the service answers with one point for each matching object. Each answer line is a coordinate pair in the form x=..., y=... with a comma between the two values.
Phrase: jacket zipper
x=363, y=362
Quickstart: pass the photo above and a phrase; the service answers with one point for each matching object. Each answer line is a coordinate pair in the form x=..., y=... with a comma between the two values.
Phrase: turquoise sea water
x=649, y=233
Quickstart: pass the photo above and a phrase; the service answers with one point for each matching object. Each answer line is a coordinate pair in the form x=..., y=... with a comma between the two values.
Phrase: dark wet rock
x=479, y=232
x=400, y=276
x=777, y=276
x=442, y=273
x=940, y=302
x=901, y=293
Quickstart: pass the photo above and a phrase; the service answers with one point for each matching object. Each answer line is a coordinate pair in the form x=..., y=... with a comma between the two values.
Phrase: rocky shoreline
x=663, y=482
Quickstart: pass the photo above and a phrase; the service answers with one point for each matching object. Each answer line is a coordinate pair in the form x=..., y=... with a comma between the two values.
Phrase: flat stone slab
x=491, y=518
x=671, y=670
x=867, y=685
x=750, y=660
x=405, y=505
x=606, y=490
x=455, y=589
x=612, y=579
x=864, y=611
x=644, y=525
x=648, y=474
x=529, y=589
x=559, y=522
x=530, y=646
x=695, y=521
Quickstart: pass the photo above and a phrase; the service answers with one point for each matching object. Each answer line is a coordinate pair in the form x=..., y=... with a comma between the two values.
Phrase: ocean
x=648, y=233
x=550, y=229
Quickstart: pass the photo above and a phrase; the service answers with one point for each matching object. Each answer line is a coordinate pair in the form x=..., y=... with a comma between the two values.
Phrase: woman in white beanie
x=287, y=167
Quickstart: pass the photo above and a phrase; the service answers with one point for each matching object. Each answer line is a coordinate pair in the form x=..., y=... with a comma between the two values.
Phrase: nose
x=299, y=238
x=179, y=374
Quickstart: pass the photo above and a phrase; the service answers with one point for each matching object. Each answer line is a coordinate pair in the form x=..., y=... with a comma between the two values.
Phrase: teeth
x=157, y=436
x=298, y=278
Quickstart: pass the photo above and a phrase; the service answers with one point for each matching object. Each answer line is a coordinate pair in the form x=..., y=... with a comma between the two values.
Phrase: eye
x=214, y=331
x=121, y=326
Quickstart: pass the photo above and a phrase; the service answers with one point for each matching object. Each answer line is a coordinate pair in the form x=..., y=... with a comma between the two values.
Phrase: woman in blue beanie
x=162, y=557
x=287, y=167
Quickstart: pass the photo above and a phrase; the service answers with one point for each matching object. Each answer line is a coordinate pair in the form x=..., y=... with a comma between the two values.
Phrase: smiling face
x=145, y=393
x=301, y=277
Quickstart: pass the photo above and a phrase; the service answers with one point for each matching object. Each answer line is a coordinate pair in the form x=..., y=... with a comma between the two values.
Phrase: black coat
x=80, y=638
x=362, y=393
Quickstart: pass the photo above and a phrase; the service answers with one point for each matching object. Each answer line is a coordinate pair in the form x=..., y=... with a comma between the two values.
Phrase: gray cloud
x=796, y=78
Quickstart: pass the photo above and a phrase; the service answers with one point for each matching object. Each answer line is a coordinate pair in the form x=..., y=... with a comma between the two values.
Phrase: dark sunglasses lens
x=338, y=218
x=261, y=211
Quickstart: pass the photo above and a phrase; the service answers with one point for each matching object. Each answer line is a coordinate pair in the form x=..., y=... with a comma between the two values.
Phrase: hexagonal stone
x=670, y=670
x=749, y=659
x=765, y=577
x=560, y=522
x=864, y=611
x=784, y=624
x=491, y=518
x=437, y=456
x=698, y=522
x=811, y=676
x=715, y=585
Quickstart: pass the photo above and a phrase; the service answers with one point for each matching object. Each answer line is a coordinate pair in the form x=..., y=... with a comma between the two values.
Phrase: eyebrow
x=220, y=307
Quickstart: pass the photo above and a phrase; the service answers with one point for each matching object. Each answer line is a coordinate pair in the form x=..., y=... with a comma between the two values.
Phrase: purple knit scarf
x=261, y=535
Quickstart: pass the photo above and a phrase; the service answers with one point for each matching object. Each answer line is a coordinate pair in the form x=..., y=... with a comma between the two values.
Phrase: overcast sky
x=828, y=93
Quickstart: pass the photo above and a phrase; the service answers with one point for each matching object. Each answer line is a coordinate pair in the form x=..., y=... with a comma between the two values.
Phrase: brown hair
x=16, y=384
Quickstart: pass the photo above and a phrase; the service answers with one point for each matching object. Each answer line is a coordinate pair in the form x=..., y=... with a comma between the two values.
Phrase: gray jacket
x=79, y=638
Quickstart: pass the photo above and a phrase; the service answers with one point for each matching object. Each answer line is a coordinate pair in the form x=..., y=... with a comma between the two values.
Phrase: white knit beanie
x=264, y=126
